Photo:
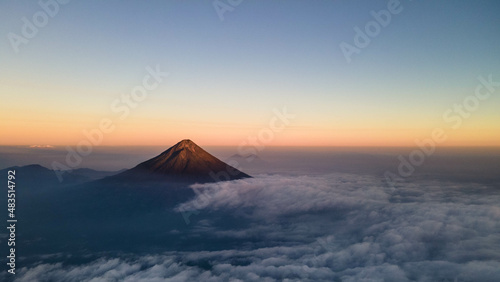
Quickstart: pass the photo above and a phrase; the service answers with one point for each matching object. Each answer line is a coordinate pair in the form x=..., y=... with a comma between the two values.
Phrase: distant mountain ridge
x=36, y=178
x=183, y=162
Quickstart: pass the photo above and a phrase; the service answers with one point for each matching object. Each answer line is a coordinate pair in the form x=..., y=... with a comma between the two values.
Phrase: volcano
x=184, y=162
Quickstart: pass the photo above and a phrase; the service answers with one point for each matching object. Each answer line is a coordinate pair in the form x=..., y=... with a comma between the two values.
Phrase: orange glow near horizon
x=59, y=124
x=43, y=115
x=27, y=133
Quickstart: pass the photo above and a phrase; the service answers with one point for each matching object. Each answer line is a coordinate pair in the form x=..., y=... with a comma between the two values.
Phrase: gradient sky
x=226, y=77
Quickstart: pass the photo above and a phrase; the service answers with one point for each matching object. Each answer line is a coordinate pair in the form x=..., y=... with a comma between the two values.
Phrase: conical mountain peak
x=188, y=162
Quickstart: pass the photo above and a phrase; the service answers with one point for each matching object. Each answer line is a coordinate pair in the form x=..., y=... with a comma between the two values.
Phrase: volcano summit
x=184, y=162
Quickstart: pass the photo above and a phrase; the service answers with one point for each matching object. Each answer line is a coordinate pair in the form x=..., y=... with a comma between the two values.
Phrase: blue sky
x=264, y=54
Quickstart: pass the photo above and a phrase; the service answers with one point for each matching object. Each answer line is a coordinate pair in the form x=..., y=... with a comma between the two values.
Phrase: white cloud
x=344, y=227
x=277, y=195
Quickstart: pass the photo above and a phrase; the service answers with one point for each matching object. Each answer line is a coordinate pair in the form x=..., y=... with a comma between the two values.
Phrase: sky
x=235, y=69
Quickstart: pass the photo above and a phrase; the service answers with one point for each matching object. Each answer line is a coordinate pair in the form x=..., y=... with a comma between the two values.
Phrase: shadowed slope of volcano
x=184, y=162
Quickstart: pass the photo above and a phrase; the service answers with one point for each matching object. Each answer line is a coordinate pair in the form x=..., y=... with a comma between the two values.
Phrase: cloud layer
x=339, y=227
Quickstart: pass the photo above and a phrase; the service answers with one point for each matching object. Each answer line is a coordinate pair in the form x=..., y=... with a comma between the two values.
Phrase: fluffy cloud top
x=325, y=228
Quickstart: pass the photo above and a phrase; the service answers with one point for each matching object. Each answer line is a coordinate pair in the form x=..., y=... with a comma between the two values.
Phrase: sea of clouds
x=336, y=227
